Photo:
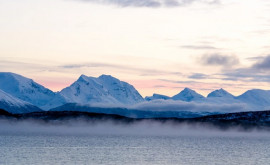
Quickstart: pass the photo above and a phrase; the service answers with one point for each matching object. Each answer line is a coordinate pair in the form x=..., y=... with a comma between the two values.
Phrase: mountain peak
x=83, y=78
x=102, y=89
x=220, y=93
x=187, y=95
x=83, y=75
x=13, y=76
x=9, y=73
x=157, y=96
x=255, y=93
x=108, y=78
x=256, y=97
x=187, y=90
x=105, y=76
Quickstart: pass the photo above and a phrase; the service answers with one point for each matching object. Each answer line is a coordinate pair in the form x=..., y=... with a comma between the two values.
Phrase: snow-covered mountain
x=220, y=93
x=14, y=105
x=104, y=89
x=188, y=95
x=157, y=96
x=256, y=98
x=25, y=89
x=221, y=96
x=18, y=91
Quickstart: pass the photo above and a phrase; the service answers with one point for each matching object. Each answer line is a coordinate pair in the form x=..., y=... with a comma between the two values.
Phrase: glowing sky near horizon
x=159, y=46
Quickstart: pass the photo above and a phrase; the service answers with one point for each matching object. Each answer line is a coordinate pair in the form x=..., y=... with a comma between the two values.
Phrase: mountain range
x=19, y=94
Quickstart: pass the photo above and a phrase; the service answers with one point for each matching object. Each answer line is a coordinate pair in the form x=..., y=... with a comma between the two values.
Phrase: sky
x=158, y=46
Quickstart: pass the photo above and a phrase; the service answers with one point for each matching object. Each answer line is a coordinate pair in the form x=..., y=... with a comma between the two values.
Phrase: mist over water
x=108, y=142
x=141, y=128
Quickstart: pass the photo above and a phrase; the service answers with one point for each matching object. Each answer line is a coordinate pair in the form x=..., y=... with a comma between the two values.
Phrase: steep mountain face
x=25, y=89
x=157, y=96
x=14, y=105
x=121, y=91
x=104, y=89
x=220, y=93
x=256, y=98
x=188, y=95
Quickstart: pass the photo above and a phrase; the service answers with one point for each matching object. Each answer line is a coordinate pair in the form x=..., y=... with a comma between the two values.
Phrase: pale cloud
x=255, y=58
x=131, y=69
x=151, y=3
x=199, y=47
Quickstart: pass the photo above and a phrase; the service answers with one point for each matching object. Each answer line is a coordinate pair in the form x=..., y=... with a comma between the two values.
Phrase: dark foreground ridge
x=245, y=120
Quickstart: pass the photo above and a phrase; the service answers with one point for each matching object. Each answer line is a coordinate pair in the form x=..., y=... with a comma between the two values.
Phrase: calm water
x=131, y=149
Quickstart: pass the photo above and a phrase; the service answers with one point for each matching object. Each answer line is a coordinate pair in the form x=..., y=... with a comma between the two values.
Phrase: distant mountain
x=256, y=98
x=188, y=95
x=221, y=96
x=220, y=93
x=25, y=89
x=14, y=105
x=105, y=90
x=128, y=112
x=157, y=96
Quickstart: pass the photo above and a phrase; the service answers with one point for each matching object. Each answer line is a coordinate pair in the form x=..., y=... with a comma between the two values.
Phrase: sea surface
x=131, y=149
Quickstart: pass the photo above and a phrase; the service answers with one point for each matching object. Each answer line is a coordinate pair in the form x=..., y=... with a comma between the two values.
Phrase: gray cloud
x=159, y=86
x=178, y=82
x=263, y=64
x=151, y=3
x=219, y=60
x=258, y=72
x=198, y=76
x=246, y=75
